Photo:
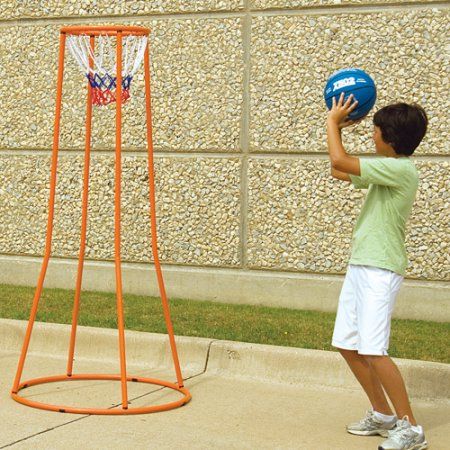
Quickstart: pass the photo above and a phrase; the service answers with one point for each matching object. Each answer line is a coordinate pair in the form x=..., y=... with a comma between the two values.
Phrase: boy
x=377, y=264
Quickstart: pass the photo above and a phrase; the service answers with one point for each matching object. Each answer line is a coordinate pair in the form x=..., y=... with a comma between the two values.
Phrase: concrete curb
x=226, y=358
x=420, y=300
x=317, y=367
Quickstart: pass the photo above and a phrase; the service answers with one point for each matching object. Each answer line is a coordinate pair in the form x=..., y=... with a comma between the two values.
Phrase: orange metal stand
x=119, y=32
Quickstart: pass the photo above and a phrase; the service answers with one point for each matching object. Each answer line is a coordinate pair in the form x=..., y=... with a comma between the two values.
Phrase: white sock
x=417, y=428
x=383, y=417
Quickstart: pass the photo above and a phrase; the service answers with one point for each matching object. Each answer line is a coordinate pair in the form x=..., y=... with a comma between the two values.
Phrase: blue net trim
x=107, y=82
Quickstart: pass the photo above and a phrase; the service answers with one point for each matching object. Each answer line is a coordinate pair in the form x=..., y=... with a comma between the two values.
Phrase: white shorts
x=363, y=320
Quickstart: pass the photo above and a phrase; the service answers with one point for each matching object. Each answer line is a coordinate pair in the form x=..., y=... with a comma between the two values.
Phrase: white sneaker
x=403, y=437
x=371, y=425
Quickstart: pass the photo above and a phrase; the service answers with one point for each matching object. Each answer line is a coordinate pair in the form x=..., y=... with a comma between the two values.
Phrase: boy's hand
x=348, y=123
x=339, y=111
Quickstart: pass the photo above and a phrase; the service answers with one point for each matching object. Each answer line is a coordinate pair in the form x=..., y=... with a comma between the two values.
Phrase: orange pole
x=51, y=209
x=120, y=315
x=87, y=157
x=151, y=180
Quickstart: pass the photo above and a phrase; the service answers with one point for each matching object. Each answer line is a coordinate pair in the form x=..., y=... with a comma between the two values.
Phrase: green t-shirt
x=379, y=234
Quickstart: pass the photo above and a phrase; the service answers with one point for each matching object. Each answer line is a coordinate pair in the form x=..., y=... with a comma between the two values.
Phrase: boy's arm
x=340, y=175
x=337, y=119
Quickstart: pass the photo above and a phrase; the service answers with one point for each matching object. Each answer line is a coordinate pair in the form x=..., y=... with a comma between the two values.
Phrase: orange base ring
x=101, y=411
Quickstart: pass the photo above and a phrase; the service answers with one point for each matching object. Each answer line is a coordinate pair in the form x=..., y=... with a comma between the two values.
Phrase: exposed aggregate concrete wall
x=197, y=89
x=190, y=230
x=293, y=55
x=77, y=8
x=241, y=89
x=311, y=218
x=288, y=4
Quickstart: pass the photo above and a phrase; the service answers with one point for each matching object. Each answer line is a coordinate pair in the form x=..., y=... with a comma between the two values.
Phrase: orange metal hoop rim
x=101, y=411
x=110, y=30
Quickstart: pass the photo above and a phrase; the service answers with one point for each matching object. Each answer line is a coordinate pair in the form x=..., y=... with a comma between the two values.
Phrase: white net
x=102, y=72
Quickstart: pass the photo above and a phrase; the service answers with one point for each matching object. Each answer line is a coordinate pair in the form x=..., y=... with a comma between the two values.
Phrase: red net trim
x=105, y=97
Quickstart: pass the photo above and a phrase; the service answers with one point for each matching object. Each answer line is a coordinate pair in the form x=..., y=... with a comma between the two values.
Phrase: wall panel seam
x=225, y=155
x=245, y=138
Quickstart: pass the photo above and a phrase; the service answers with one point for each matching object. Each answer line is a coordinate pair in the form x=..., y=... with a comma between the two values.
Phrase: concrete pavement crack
x=43, y=431
x=74, y=420
x=187, y=378
x=113, y=406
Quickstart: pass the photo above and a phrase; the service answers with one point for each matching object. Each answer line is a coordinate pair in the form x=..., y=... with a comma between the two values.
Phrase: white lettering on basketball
x=344, y=83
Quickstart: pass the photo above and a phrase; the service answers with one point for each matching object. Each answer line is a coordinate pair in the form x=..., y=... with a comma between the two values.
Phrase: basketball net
x=99, y=67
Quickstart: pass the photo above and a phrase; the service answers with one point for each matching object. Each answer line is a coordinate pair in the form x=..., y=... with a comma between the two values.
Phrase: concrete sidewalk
x=245, y=396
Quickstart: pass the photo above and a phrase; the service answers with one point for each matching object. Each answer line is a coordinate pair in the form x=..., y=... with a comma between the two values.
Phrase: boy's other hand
x=339, y=111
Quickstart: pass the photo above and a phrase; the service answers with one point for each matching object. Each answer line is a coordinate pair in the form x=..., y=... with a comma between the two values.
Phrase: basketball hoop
x=100, y=66
x=109, y=57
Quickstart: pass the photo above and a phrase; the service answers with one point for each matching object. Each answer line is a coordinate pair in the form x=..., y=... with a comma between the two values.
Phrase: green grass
x=412, y=339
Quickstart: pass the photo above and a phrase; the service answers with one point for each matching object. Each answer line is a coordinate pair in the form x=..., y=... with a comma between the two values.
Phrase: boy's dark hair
x=402, y=126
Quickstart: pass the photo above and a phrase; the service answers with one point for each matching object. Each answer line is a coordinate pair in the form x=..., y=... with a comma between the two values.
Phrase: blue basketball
x=352, y=81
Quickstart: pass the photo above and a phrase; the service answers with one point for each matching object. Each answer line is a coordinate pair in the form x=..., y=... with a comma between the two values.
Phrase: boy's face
x=381, y=147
